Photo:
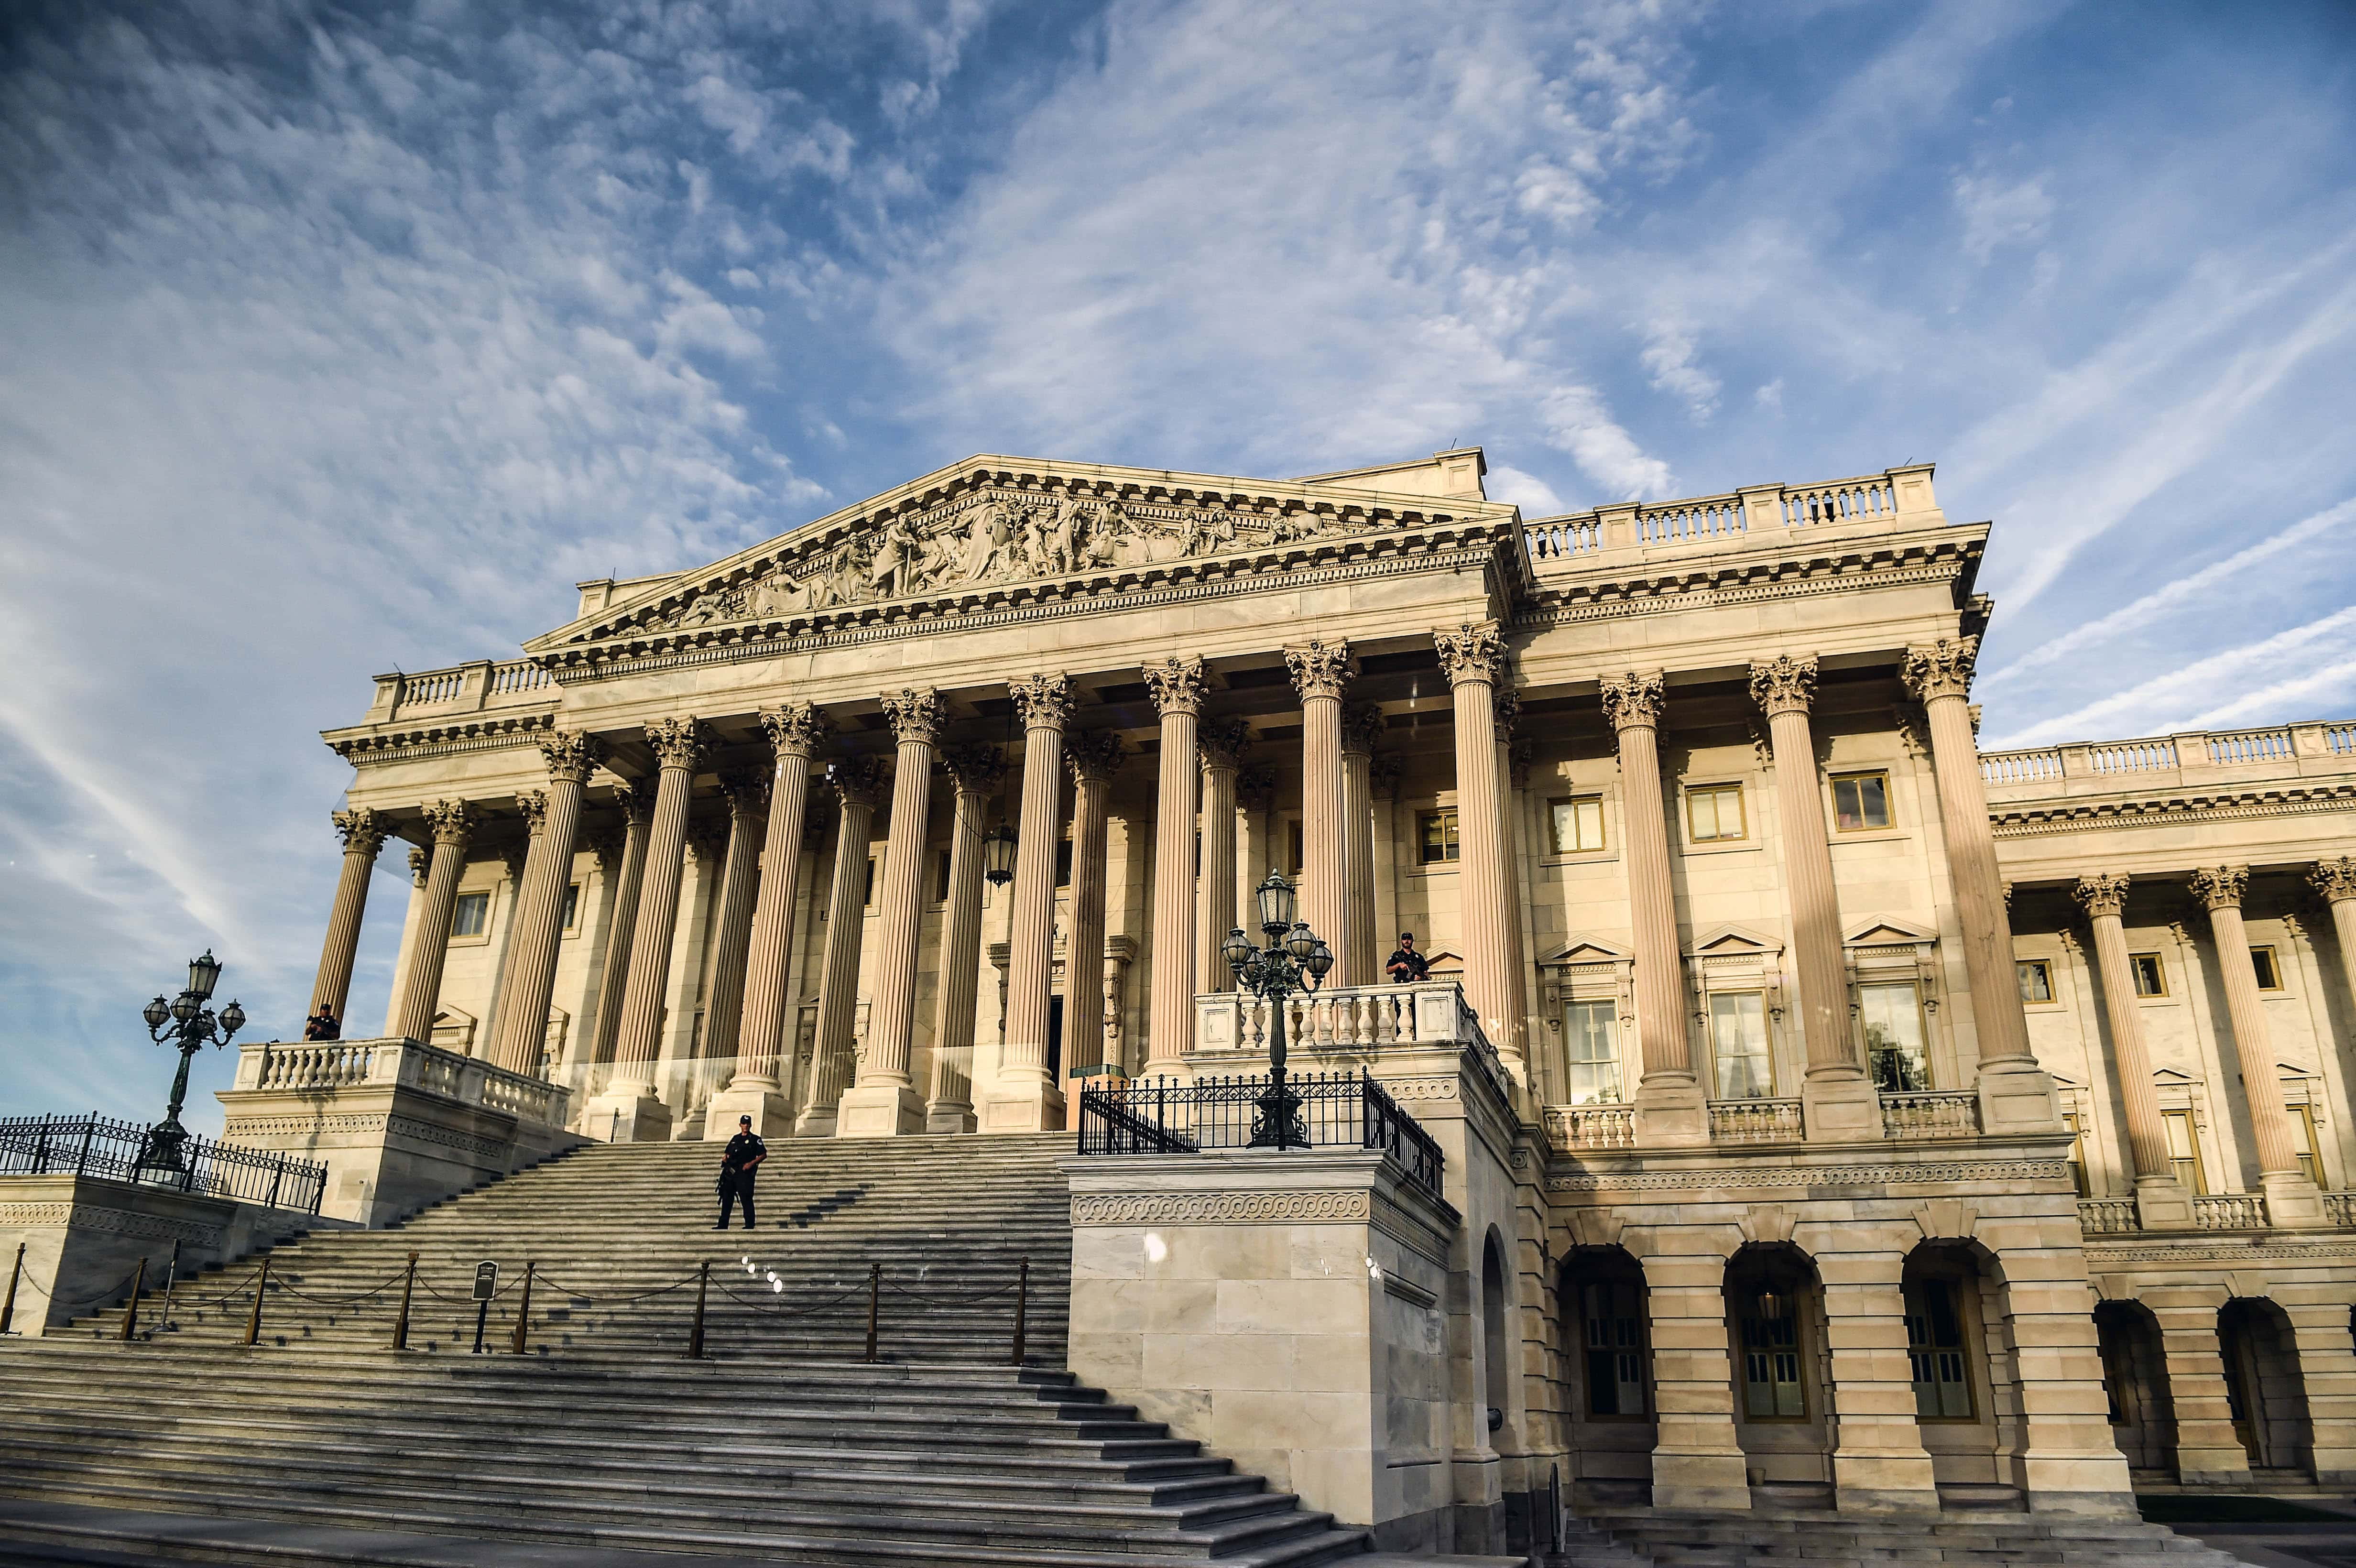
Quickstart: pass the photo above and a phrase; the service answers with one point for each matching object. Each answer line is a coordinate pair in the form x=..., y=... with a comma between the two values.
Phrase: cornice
x=2072, y=816
x=1755, y=1178
x=481, y=734
x=1653, y=588
x=2335, y=1251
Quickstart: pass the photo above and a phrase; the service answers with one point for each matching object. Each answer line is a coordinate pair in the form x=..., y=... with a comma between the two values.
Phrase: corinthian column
x=858, y=783
x=1362, y=726
x=2015, y=1094
x=1672, y=1107
x=628, y=1111
x=1094, y=759
x=363, y=833
x=1026, y=1099
x=1320, y=674
x=2336, y=881
x=795, y=730
x=1515, y=1043
x=1838, y=1103
x=1223, y=746
x=1177, y=687
x=2292, y=1200
x=420, y=860
x=1473, y=657
x=723, y=1011
x=2161, y=1202
x=453, y=822
x=885, y=1102
x=539, y=918
x=974, y=772
x=624, y=862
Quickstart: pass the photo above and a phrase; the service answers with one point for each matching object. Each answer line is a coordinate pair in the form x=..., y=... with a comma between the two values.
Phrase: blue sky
x=335, y=340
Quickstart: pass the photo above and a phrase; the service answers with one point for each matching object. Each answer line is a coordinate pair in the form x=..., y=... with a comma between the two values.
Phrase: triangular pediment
x=1886, y=931
x=2169, y=1078
x=1004, y=529
x=1733, y=941
x=1586, y=949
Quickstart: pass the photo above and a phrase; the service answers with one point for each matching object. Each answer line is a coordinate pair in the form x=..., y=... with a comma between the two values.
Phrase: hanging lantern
x=998, y=855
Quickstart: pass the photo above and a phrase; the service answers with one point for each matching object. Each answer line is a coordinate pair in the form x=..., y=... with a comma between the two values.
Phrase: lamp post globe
x=1294, y=960
x=186, y=1025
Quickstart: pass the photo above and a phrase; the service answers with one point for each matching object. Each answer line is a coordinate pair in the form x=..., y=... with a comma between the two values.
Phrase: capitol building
x=1794, y=1110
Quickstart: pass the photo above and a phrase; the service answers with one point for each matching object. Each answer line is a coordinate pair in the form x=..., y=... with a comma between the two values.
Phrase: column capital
x=516, y=857
x=1784, y=683
x=362, y=830
x=1475, y=651
x=452, y=821
x=2335, y=880
x=2103, y=894
x=858, y=781
x=2220, y=887
x=636, y=797
x=1320, y=669
x=421, y=861
x=533, y=805
x=1042, y=702
x=1176, y=685
x=1225, y=744
x=572, y=756
x=975, y=770
x=609, y=847
x=915, y=715
x=1633, y=701
x=678, y=742
x=1942, y=669
x=1362, y=727
x=1518, y=758
x=796, y=728
x=1256, y=783
x=1094, y=756
x=708, y=841
x=747, y=790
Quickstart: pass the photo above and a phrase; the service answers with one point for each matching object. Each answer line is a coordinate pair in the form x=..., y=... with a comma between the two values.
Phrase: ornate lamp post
x=1295, y=959
x=188, y=1025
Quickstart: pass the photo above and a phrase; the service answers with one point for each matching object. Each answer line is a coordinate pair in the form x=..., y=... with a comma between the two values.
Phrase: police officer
x=745, y=1152
x=1408, y=966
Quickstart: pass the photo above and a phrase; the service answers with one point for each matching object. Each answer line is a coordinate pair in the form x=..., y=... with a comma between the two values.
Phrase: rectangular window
x=1594, y=1045
x=2036, y=977
x=2310, y=1154
x=1435, y=833
x=1714, y=814
x=2072, y=1120
x=867, y=896
x=1738, y=1038
x=941, y=876
x=2150, y=979
x=1892, y=1016
x=2184, y=1150
x=1612, y=1333
x=1935, y=1344
x=1860, y=801
x=1771, y=1390
x=1063, y=864
x=573, y=907
x=472, y=916
x=1577, y=824
x=1296, y=854
x=2262, y=959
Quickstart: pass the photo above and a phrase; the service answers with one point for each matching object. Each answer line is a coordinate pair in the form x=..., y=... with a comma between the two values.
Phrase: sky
x=340, y=340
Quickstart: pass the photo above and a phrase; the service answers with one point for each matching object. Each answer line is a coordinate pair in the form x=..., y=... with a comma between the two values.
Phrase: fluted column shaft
x=1634, y=704
x=1471, y=659
x=2106, y=900
x=1093, y=762
x=857, y=783
x=1515, y=1042
x=1785, y=688
x=1177, y=689
x=678, y=742
x=795, y=730
x=1320, y=674
x=2336, y=881
x=628, y=871
x=916, y=718
x=1045, y=704
x=539, y=918
x=972, y=776
x=453, y=822
x=1360, y=726
x=1222, y=747
x=363, y=833
x=2278, y=1146
x=723, y=1010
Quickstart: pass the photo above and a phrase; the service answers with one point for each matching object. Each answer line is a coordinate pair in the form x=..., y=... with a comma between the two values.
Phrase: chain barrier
x=287, y=1289
x=784, y=1311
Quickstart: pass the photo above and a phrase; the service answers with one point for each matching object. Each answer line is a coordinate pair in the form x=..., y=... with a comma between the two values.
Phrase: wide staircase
x=782, y=1440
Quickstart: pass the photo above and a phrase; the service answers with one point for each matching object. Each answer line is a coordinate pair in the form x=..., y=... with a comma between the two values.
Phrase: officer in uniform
x=1406, y=966
x=745, y=1152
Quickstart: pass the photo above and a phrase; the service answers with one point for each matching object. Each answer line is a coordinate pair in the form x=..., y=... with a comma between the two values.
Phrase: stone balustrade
x=2230, y=1211
x=2164, y=760
x=1930, y=1114
x=1894, y=499
x=462, y=688
x=2107, y=1216
x=1366, y=1018
x=1591, y=1126
x=324, y=1067
x=1755, y=1121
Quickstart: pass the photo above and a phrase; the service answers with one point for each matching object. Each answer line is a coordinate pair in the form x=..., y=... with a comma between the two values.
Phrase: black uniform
x=736, y=1169
x=1408, y=966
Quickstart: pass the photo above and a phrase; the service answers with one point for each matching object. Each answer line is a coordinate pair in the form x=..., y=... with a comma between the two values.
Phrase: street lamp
x=998, y=855
x=188, y=1025
x=1295, y=959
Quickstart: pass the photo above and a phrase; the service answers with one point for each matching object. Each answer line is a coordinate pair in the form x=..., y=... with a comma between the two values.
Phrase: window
x=1714, y=814
x=2036, y=977
x=2310, y=1156
x=1594, y=1046
x=2262, y=959
x=1577, y=824
x=1435, y=833
x=1296, y=854
x=2150, y=979
x=867, y=895
x=1063, y=864
x=2184, y=1150
x=1860, y=801
x=573, y=907
x=1771, y=1356
x=1892, y=1016
x=2077, y=1126
x=1738, y=1038
x=472, y=916
x=1612, y=1333
x=1935, y=1344
x=940, y=876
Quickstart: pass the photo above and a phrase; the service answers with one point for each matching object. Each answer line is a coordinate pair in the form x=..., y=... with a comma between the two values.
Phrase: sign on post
x=486, y=1281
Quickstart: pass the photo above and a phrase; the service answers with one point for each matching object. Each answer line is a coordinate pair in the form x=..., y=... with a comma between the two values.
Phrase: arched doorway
x=2135, y=1381
x=1776, y=1322
x=1960, y=1360
x=1498, y=1368
x=2263, y=1386
x=1609, y=1358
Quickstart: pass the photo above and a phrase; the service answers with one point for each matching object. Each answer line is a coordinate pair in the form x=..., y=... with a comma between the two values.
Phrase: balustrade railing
x=2339, y=739
x=1761, y=1121
x=2131, y=756
x=2251, y=746
x=1870, y=498
x=322, y=1067
x=1333, y=1110
x=2274, y=747
x=1570, y=1128
x=484, y=683
x=1710, y=518
x=1930, y=1114
x=1706, y=520
x=1365, y=1019
x=2107, y=1216
x=2339, y=1208
x=125, y=1151
x=2230, y=1211
x=2020, y=767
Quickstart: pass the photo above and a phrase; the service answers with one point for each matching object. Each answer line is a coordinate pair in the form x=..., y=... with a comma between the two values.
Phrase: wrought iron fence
x=125, y=1151
x=1336, y=1110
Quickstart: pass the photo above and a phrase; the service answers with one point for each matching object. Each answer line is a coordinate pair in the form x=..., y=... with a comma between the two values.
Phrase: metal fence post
x=131, y=1308
x=695, y=1334
x=875, y=1299
x=523, y=1309
x=1022, y=1308
x=401, y=1323
x=261, y=1289
x=8, y=1308
x=89, y=1131
x=171, y=1280
x=276, y=1176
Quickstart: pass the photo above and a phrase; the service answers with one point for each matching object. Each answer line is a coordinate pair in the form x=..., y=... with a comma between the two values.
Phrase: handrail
x=1330, y=1110
x=125, y=1151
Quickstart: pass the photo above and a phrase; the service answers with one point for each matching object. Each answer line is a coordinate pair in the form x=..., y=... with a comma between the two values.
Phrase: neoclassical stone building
x=1843, y=1115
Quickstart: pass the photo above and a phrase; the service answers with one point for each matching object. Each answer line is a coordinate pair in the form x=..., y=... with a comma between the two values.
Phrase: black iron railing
x=125, y=1151
x=1169, y=1116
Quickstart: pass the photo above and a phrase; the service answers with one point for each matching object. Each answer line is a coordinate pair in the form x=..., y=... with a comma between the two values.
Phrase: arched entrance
x=1609, y=1356
x=1497, y=1364
x=1776, y=1322
x=2135, y=1381
x=2263, y=1386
